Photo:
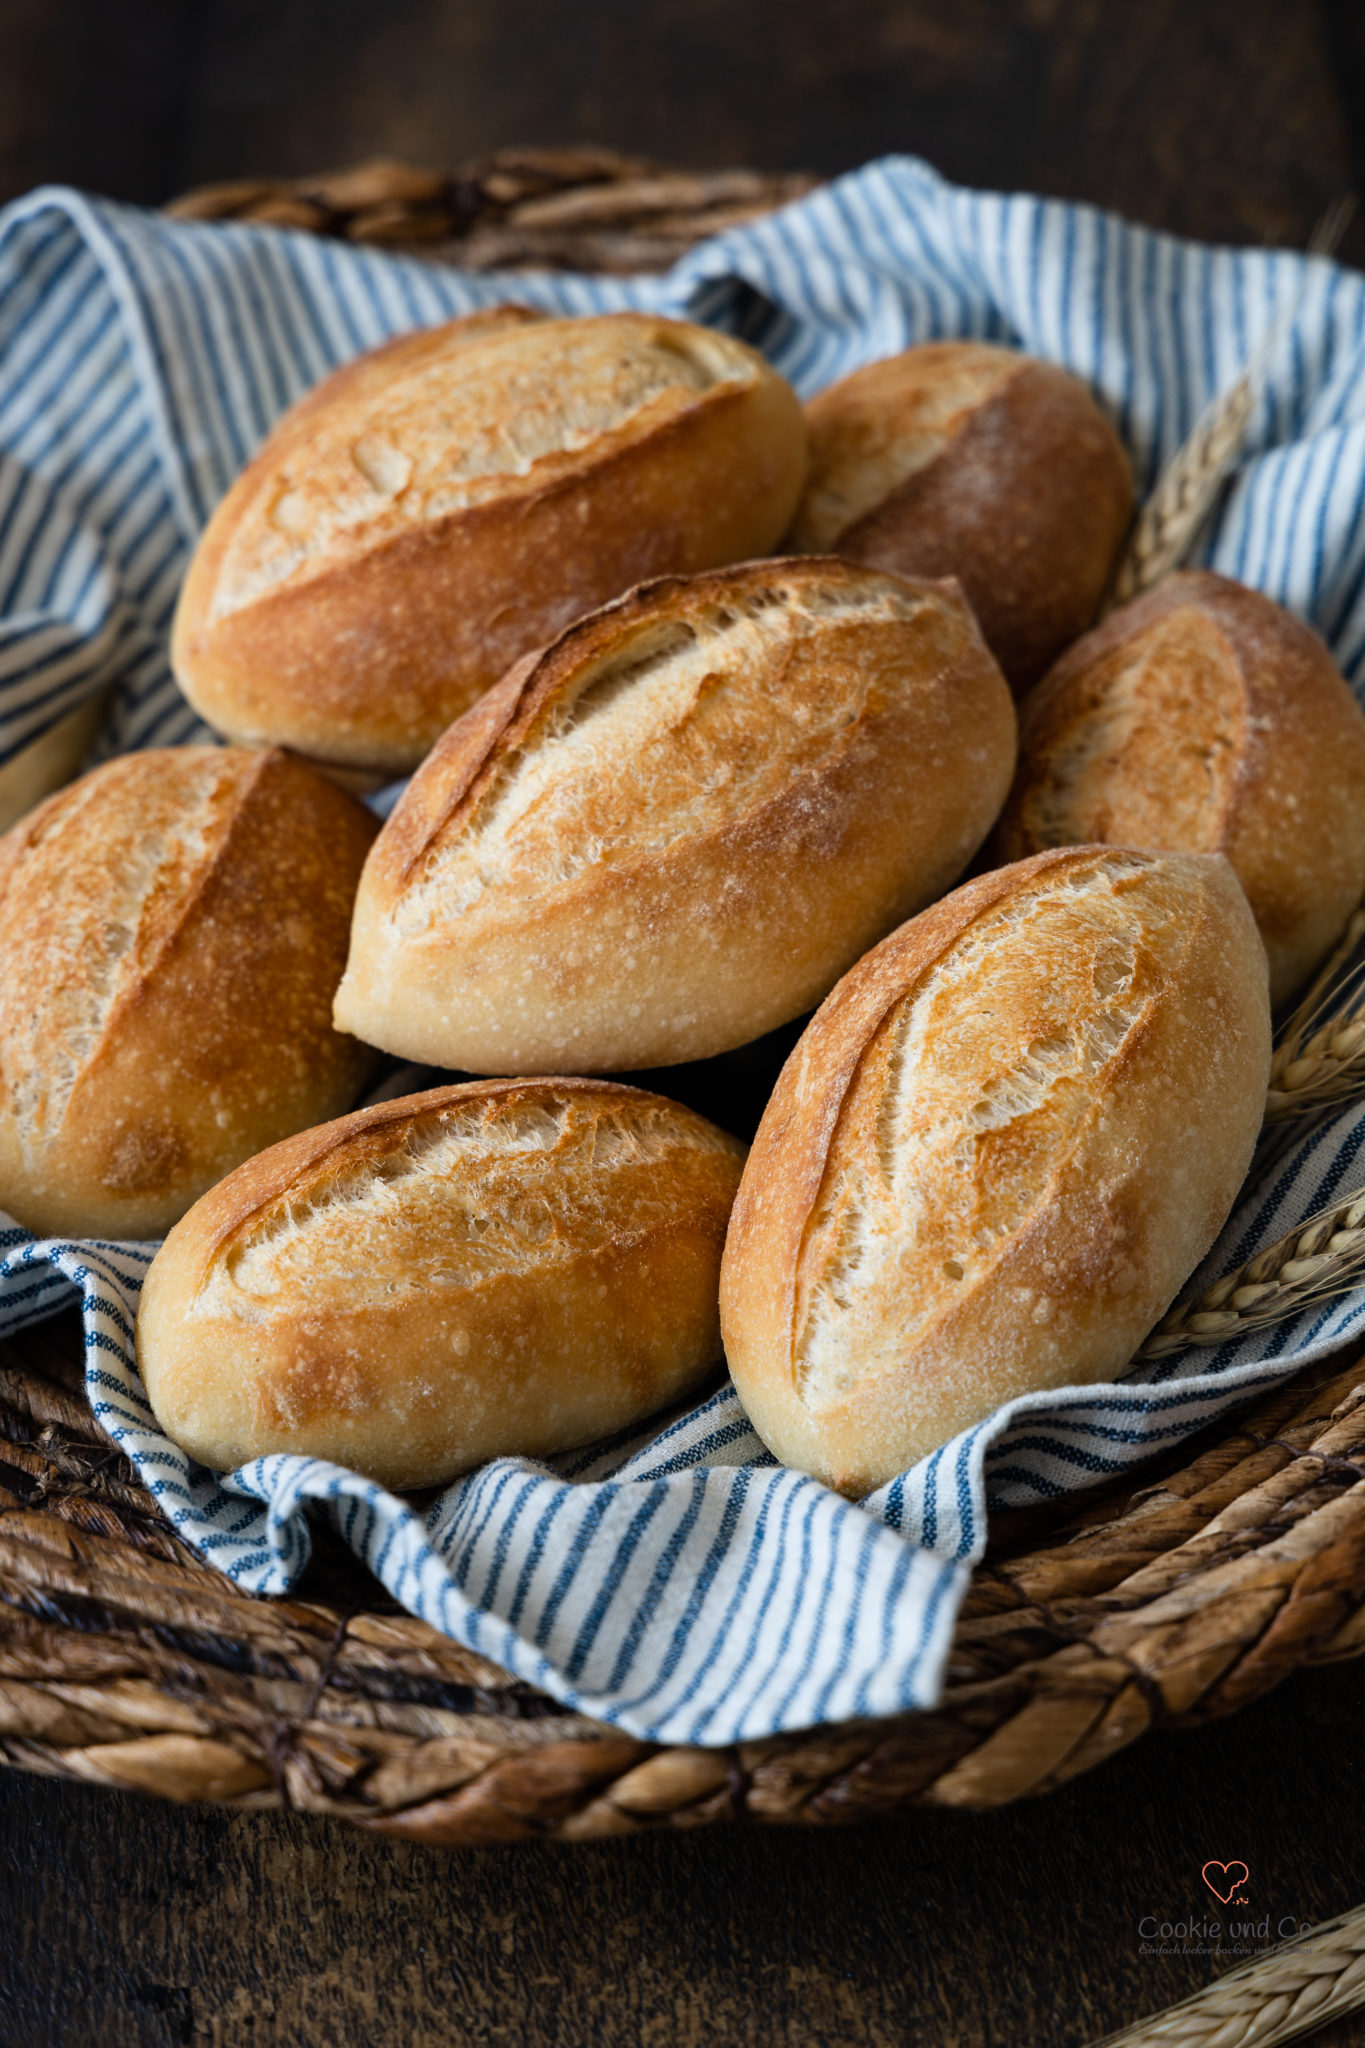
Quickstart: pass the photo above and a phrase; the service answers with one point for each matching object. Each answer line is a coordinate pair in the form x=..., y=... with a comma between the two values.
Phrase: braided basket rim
x=125, y=1660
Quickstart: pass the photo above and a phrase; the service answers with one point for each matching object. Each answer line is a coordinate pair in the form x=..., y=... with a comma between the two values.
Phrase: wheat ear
x=1183, y=495
x=1315, y=1261
x=1277, y=1998
x=1319, y=1057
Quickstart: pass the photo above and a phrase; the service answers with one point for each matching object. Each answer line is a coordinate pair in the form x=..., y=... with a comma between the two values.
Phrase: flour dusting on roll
x=997, y=1152
x=674, y=829
x=498, y=1267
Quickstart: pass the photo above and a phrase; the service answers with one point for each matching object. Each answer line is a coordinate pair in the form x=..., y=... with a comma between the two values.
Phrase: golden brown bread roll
x=497, y=1268
x=956, y=459
x=676, y=828
x=1203, y=718
x=451, y=500
x=997, y=1151
x=172, y=929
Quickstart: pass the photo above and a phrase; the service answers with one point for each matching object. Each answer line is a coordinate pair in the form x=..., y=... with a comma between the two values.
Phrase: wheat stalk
x=1280, y=1997
x=1315, y=1261
x=1319, y=1056
x=1184, y=493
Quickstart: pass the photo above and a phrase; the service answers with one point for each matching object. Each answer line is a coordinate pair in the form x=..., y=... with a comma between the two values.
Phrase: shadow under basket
x=127, y=1661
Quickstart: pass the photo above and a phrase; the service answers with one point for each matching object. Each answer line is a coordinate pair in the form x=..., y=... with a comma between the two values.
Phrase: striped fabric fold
x=677, y=1582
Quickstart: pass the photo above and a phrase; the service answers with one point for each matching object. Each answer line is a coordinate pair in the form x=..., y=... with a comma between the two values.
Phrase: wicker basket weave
x=569, y=209
x=127, y=1661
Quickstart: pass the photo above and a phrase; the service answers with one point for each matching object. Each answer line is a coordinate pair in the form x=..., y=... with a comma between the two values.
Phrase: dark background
x=128, y=1922
x=1234, y=119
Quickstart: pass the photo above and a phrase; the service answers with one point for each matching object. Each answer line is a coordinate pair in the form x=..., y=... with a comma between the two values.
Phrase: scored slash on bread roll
x=958, y=459
x=674, y=829
x=997, y=1152
x=1204, y=718
x=496, y=1268
x=172, y=930
x=451, y=500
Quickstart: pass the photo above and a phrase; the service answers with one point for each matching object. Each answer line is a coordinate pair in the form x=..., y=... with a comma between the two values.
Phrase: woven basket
x=127, y=1661
x=566, y=209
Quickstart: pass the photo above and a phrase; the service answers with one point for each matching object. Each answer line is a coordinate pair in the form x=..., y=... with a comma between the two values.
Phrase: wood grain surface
x=127, y=1922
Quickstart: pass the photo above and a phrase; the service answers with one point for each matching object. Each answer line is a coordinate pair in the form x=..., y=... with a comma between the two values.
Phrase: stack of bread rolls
x=710, y=701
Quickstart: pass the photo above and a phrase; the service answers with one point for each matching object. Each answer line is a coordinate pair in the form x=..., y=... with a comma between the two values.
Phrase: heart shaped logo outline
x=1232, y=1882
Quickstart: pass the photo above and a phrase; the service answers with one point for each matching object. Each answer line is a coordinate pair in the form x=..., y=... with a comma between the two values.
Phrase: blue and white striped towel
x=680, y=1585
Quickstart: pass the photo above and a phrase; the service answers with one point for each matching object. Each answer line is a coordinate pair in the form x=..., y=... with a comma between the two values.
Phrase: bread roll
x=500, y=1268
x=172, y=929
x=453, y=499
x=999, y=1149
x=955, y=459
x=1203, y=718
x=674, y=829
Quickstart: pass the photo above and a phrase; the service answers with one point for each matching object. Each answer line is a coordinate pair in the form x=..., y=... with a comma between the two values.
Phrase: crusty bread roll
x=955, y=459
x=502, y=1267
x=999, y=1149
x=451, y=500
x=172, y=929
x=1203, y=718
x=676, y=828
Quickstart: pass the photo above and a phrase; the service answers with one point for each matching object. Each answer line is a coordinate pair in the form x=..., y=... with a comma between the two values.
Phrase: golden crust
x=957, y=459
x=429, y=514
x=1205, y=718
x=675, y=828
x=998, y=1150
x=172, y=929
x=494, y=1268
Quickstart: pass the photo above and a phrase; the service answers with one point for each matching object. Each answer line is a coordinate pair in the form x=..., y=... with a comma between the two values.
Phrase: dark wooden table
x=123, y=1921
